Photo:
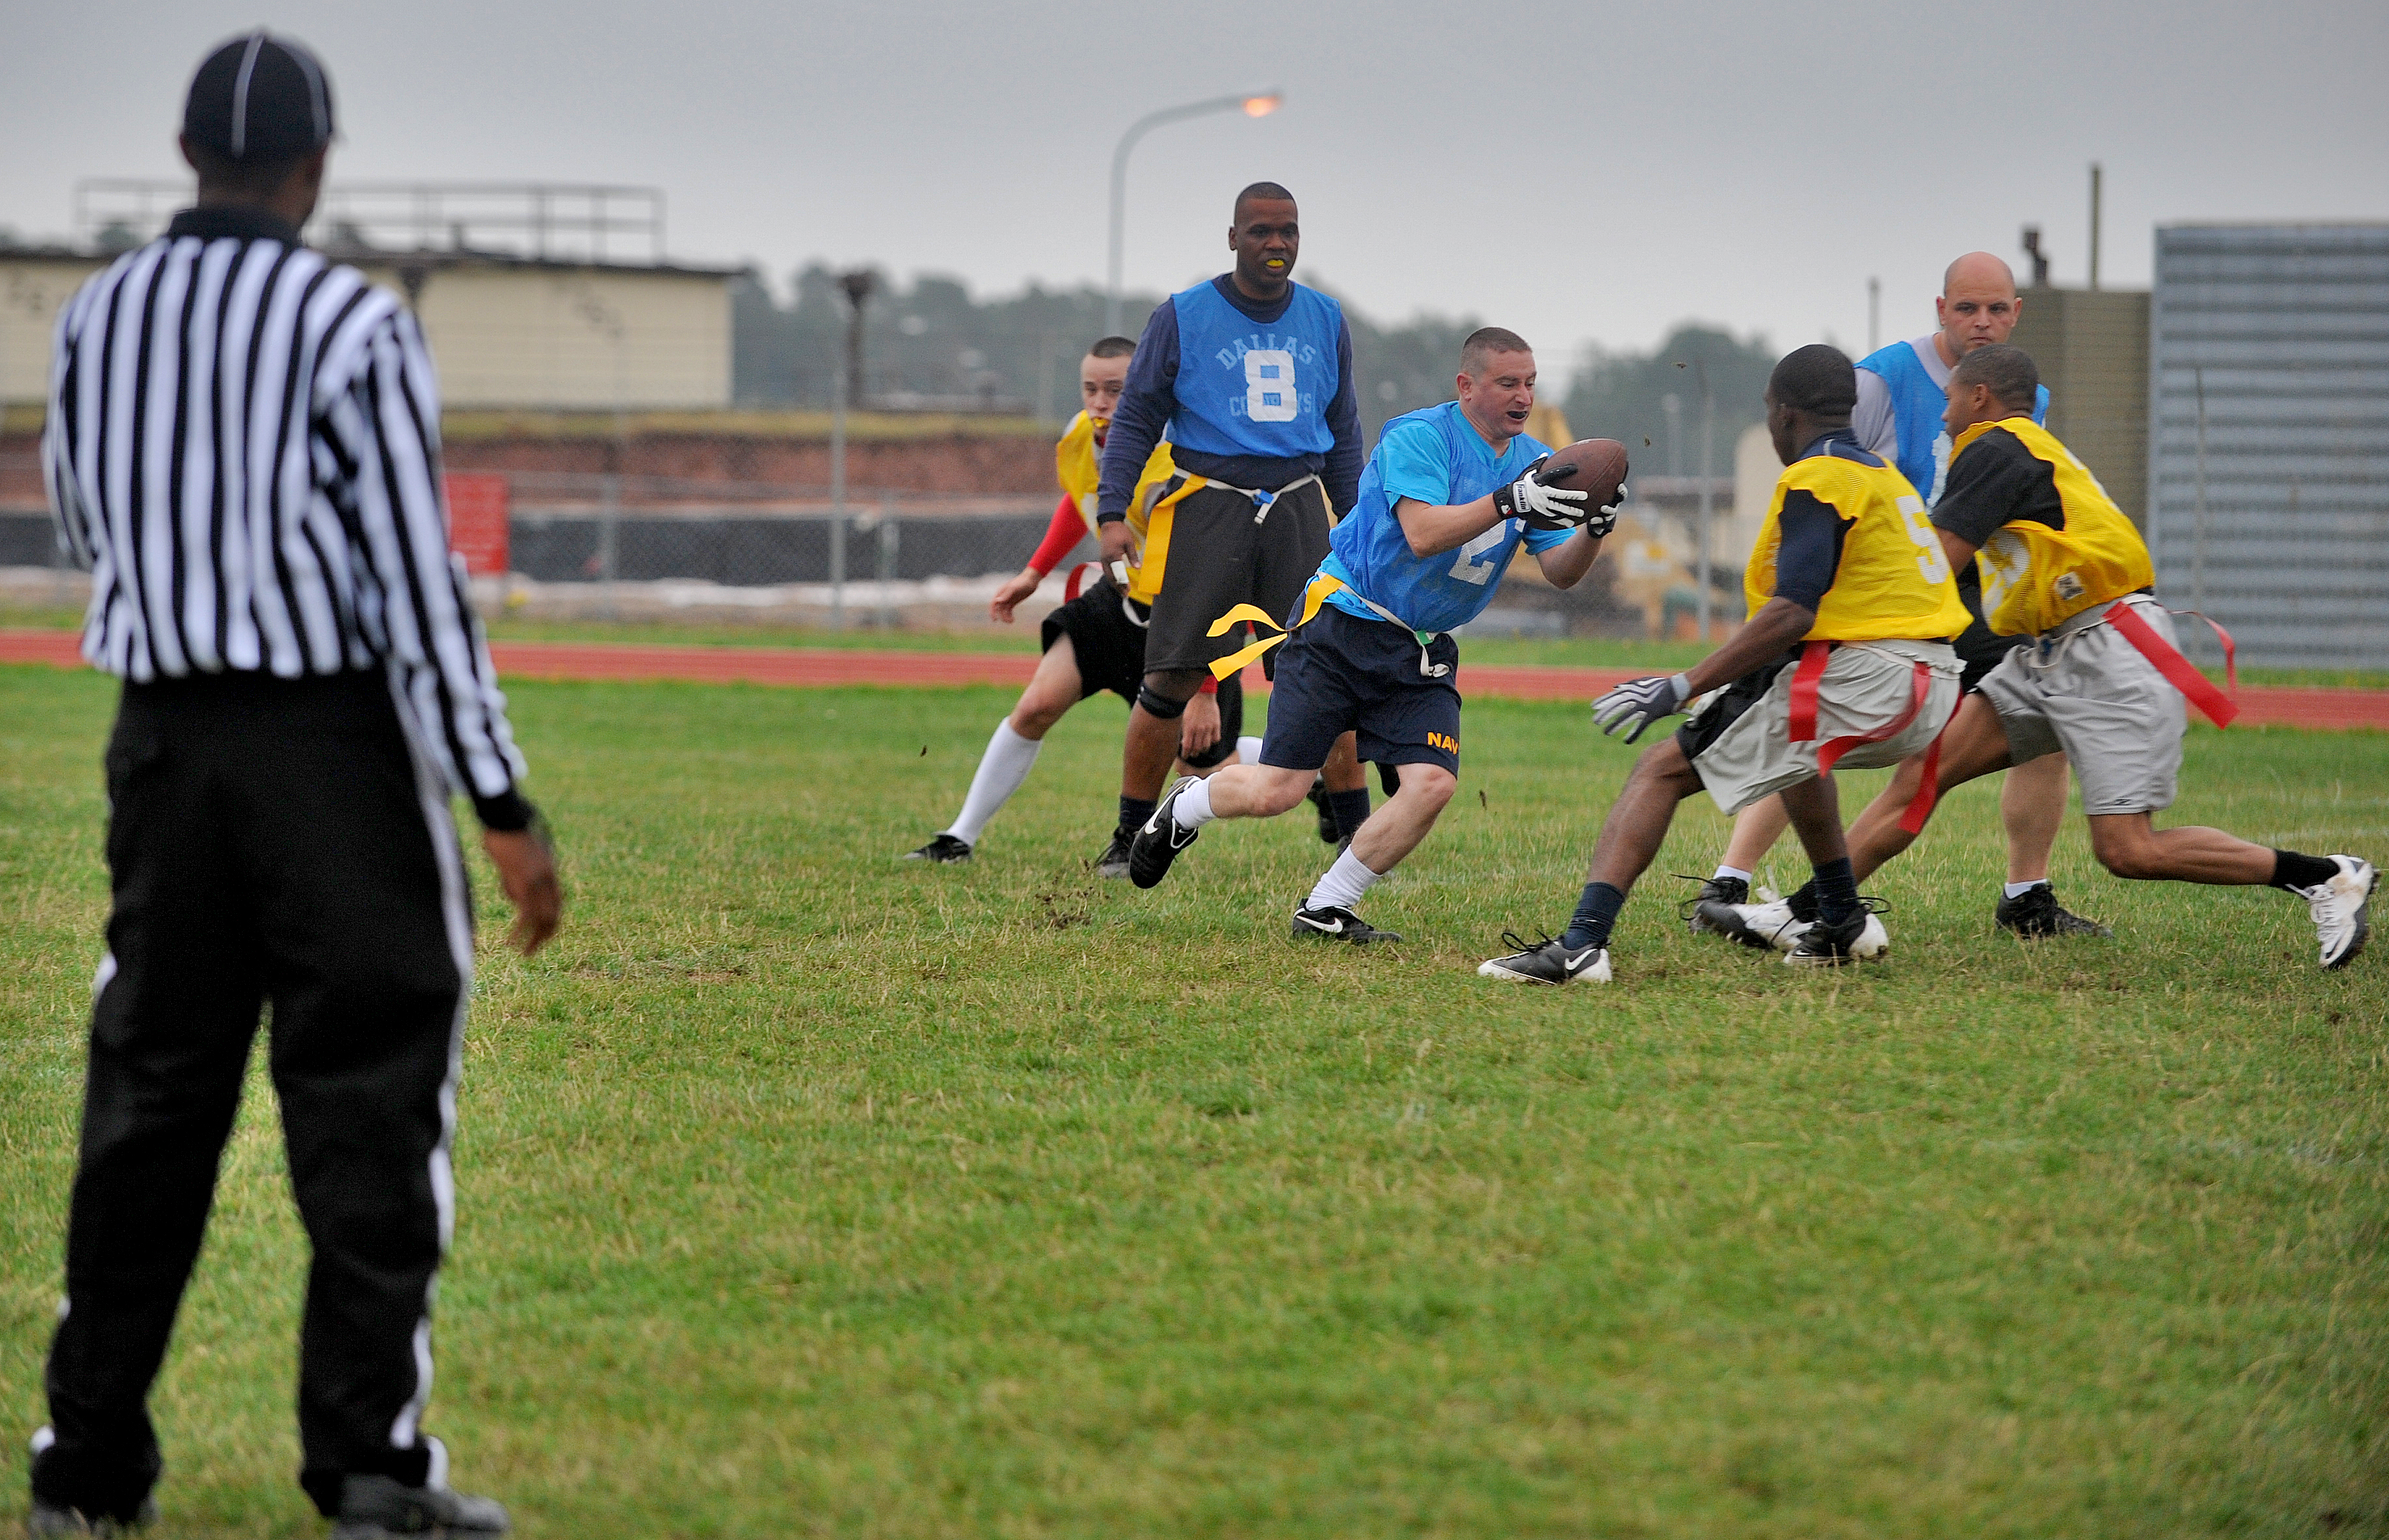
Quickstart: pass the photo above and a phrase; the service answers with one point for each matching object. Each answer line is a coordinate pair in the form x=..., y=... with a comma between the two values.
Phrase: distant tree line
x=931, y=338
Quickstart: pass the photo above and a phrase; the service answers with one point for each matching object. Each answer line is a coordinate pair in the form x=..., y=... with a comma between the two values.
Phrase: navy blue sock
x=1837, y=891
x=1595, y=912
x=1350, y=809
x=1134, y=810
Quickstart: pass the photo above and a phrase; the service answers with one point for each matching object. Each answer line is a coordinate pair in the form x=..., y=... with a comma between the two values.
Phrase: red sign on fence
x=477, y=521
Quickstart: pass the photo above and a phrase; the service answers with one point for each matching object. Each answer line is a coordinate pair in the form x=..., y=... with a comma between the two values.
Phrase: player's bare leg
x=1637, y=821
x=2032, y=806
x=1052, y=690
x=1152, y=741
x=2131, y=847
x=1974, y=745
x=1756, y=830
x=1010, y=754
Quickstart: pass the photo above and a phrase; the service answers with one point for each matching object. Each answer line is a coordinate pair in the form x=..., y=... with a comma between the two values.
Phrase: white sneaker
x=1771, y=925
x=2340, y=908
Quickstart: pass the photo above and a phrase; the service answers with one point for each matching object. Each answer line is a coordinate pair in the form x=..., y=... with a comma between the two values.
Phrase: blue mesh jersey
x=1434, y=456
x=1248, y=390
x=1917, y=401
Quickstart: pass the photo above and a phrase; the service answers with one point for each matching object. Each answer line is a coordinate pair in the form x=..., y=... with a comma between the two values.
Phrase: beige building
x=508, y=333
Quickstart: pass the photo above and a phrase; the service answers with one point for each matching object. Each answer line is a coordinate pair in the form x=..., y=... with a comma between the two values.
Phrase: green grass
x=809, y=1192
x=1576, y=652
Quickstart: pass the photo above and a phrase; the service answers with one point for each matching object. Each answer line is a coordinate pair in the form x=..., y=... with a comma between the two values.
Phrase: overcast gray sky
x=1577, y=172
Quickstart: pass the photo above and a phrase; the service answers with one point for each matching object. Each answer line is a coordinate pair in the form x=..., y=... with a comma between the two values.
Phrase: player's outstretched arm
x=1768, y=635
x=1635, y=705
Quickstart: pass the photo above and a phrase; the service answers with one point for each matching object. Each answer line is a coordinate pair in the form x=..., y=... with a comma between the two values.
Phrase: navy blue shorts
x=1339, y=675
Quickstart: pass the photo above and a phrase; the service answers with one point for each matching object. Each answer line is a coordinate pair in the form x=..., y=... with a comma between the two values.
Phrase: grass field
x=809, y=1192
x=1574, y=651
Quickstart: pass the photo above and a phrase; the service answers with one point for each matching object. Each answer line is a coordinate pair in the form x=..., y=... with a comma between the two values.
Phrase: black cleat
x=1158, y=844
x=1859, y=934
x=1318, y=793
x=1337, y=925
x=944, y=850
x=1546, y=962
x=1113, y=862
x=1716, y=890
x=2036, y=912
x=375, y=1506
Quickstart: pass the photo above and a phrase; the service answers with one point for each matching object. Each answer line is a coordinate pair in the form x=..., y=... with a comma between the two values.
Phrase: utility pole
x=1874, y=313
x=1257, y=104
x=846, y=385
x=2095, y=179
x=1708, y=493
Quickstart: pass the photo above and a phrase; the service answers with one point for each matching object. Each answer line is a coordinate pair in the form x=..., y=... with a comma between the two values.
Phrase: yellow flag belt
x=1321, y=585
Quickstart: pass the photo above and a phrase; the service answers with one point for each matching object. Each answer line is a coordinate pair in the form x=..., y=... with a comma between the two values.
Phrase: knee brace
x=1159, y=704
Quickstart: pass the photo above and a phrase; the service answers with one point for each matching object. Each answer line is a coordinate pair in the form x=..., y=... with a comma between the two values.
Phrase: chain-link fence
x=630, y=546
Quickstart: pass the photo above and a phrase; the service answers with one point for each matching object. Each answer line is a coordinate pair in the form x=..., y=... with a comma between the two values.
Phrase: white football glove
x=1542, y=507
x=1599, y=523
x=1638, y=703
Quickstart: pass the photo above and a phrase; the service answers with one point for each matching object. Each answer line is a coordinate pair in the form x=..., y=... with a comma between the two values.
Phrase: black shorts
x=1727, y=706
x=1109, y=646
x=1339, y=675
x=1216, y=555
x=1981, y=651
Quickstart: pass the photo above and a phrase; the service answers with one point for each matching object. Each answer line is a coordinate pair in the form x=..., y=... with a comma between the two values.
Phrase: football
x=1596, y=465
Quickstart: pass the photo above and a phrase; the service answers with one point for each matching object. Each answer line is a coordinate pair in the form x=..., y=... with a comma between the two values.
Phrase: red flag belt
x=2179, y=671
x=1806, y=680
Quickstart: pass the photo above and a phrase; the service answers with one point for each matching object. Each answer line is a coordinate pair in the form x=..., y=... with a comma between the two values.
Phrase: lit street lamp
x=1254, y=105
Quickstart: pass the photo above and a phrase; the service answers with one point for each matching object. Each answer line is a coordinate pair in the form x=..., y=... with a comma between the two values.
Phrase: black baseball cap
x=260, y=100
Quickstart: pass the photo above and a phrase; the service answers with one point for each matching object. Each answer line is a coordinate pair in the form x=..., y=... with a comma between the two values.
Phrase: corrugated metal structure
x=2268, y=435
x=2092, y=346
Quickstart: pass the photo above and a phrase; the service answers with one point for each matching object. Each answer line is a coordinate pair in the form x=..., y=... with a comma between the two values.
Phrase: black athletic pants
x=269, y=842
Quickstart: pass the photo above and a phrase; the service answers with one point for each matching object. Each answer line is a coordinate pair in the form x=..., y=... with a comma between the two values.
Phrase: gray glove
x=1638, y=703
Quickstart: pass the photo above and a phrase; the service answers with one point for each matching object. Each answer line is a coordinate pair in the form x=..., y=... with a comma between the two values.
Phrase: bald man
x=1903, y=390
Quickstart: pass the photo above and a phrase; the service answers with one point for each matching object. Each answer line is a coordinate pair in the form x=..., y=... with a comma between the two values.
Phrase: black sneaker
x=944, y=850
x=45, y=1520
x=1318, y=793
x=2036, y=912
x=1337, y=925
x=1546, y=962
x=1824, y=946
x=1158, y=844
x=1721, y=891
x=1113, y=862
x=375, y=1506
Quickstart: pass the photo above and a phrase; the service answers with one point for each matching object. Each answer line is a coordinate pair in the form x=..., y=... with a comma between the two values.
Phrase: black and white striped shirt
x=243, y=449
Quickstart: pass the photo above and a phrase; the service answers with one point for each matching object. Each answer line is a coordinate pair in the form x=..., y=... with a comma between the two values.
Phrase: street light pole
x=1259, y=104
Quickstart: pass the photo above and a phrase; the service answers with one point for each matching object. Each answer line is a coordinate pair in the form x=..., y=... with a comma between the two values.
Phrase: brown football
x=1595, y=466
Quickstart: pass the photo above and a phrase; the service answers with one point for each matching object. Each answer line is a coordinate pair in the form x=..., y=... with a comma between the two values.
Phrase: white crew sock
x=1193, y=808
x=2017, y=890
x=1734, y=872
x=1000, y=771
x=1248, y=750
x=1345, y=884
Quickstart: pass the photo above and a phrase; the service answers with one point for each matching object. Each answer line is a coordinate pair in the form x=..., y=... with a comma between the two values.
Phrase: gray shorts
x=2083, y=691
x=1740, y=743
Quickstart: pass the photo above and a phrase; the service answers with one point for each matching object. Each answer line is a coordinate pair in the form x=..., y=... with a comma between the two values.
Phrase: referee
x=243, y=448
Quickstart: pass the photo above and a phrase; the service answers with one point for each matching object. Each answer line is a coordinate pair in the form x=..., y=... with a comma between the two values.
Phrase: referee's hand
x=526, y=864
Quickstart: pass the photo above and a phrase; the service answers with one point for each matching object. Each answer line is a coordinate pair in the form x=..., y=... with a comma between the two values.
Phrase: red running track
x=2259, y=704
